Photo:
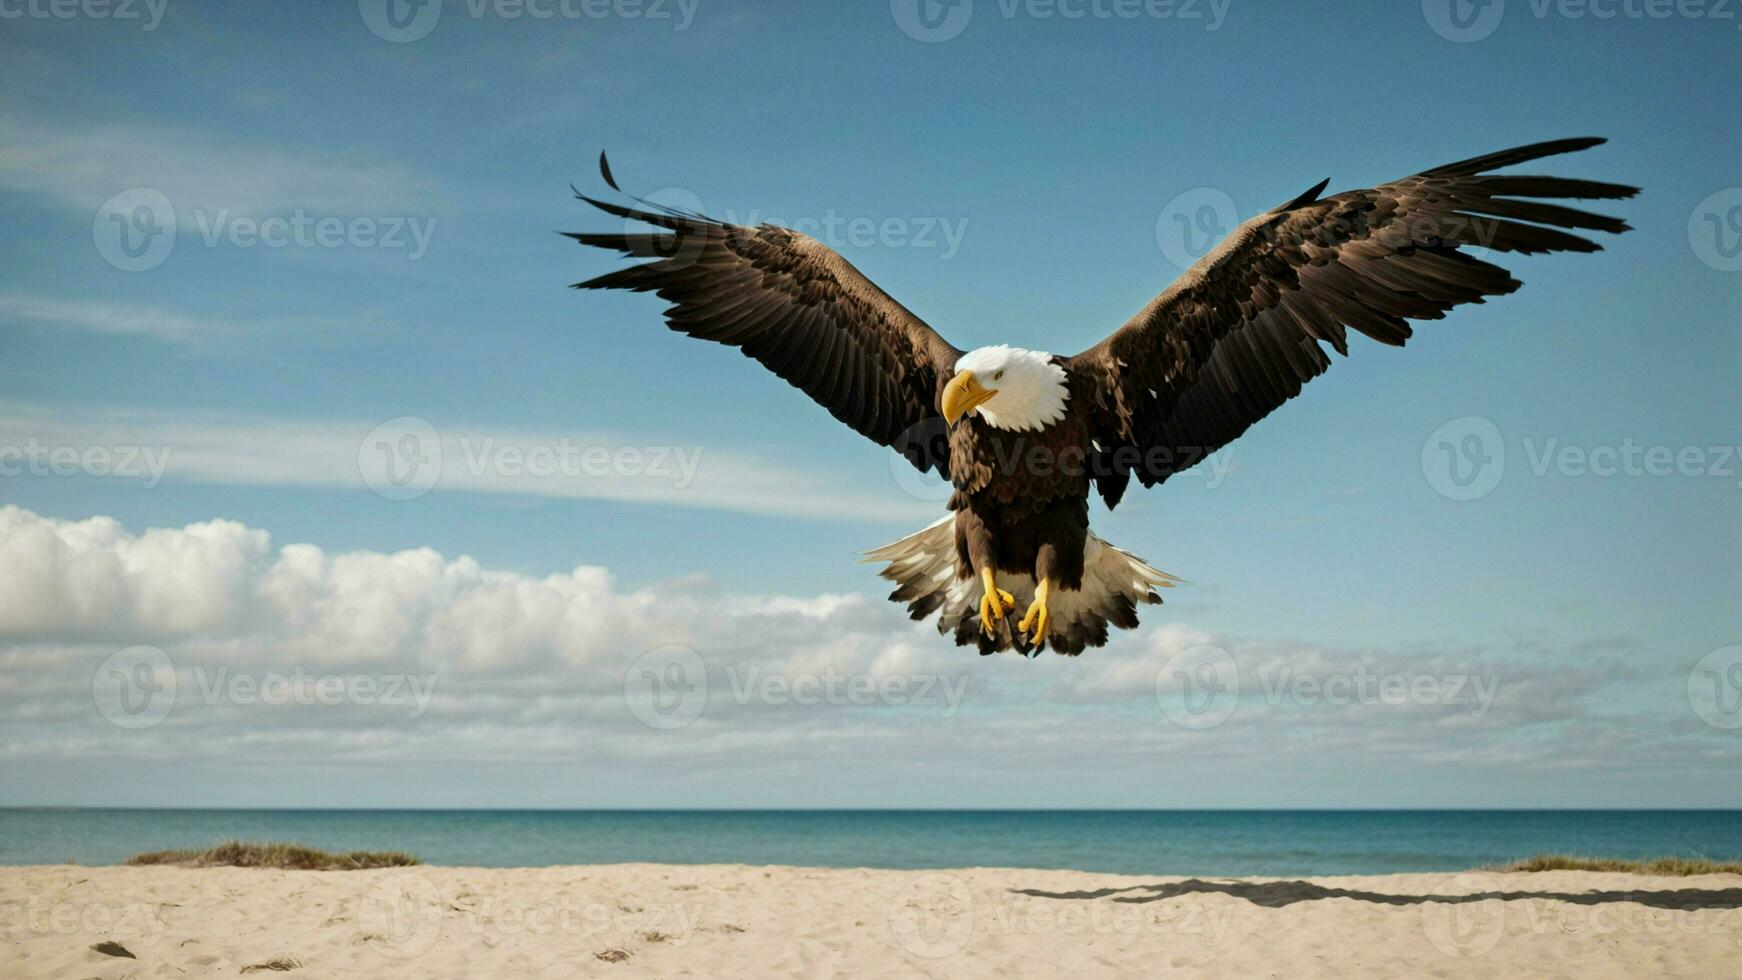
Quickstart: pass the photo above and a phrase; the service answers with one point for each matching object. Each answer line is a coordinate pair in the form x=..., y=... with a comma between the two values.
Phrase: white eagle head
x=1009, y=387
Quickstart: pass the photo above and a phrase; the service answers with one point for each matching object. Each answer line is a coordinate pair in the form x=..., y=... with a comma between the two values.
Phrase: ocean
x=1182, y=842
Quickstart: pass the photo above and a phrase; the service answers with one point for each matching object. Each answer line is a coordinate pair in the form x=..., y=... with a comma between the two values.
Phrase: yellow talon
x=1037, y=614
x=993, y=603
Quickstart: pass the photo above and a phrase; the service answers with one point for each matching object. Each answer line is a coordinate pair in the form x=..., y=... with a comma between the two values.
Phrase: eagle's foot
x=994, y=603
x=1036, y=616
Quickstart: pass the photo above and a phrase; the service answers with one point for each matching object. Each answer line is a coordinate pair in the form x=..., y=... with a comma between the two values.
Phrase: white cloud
x=112, y=318
x=151, y=447
x=220, y=588
x=81, y=167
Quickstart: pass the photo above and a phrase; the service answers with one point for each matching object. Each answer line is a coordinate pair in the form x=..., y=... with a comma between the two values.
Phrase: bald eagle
x=1024, y=435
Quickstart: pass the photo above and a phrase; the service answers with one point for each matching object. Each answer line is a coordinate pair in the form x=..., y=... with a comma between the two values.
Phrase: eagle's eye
x=1000, y=374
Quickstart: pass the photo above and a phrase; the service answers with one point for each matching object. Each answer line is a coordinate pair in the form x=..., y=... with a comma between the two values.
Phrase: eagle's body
x=1020, y=506
x=1026, y=436
x=1022, y=498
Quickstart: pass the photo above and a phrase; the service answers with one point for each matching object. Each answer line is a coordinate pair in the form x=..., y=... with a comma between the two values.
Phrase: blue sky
x=1052, y=148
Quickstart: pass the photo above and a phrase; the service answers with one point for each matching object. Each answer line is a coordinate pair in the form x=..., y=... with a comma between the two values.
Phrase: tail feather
x=1115, y=582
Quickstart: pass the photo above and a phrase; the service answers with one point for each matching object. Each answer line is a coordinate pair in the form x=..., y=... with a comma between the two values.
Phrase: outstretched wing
x=1240, y=332
x=799, y=308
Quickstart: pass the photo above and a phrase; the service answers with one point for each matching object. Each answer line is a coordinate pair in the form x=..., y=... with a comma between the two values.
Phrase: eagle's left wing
x=1238, y=334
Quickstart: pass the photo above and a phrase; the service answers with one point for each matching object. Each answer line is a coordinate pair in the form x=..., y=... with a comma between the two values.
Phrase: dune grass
x=240, y=854
x=1655, y=866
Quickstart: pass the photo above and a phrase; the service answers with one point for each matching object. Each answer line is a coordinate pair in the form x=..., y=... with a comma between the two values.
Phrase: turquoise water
x=1206, y=842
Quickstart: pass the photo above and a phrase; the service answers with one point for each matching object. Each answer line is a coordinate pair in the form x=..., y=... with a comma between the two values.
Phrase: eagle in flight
x=1024, y=436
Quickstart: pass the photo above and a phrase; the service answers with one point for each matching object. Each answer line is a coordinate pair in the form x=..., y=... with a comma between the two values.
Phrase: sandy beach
x=734, y=920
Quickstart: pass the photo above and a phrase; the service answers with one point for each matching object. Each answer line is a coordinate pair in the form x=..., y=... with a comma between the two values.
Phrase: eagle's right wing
x=799, y=308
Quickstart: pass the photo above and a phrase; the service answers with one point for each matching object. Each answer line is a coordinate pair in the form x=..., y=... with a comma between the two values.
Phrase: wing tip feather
x=1306, y=197
x=605, y=172
x=1517, y=154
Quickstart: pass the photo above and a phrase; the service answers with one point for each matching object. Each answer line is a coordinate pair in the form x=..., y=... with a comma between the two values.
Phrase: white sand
x=736, y=921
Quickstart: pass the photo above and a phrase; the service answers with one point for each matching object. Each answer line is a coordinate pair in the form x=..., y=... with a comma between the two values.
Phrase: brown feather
x=1239, y=333
x=796, y=306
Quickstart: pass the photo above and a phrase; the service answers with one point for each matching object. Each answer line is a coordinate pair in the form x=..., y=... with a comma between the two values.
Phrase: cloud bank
x=366, y=662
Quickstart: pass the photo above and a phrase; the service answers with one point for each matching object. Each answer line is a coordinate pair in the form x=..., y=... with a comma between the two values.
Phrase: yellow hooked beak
x=964, y=394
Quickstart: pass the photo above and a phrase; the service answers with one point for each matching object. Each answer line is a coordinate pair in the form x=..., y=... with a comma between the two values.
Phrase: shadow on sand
x=1276, y=894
